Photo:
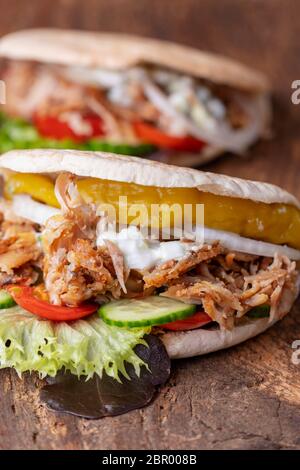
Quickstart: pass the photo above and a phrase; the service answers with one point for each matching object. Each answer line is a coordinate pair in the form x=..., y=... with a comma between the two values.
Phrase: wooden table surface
x=244, y=398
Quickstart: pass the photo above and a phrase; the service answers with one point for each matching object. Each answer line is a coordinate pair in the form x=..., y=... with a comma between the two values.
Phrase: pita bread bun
x=117, y=51
x=201, y=341
x=140, y=171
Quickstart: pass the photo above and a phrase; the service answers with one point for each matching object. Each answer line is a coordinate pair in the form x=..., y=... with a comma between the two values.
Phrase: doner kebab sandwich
x=129, y=95
x=84, y=294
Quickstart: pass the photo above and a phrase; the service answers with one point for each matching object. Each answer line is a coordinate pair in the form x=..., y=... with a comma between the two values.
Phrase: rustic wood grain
x=248, y=397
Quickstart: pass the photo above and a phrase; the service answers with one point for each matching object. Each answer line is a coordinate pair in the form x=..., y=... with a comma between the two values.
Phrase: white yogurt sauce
x=140, y=253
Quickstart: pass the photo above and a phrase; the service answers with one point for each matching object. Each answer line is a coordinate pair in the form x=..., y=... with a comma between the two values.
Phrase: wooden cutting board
x=247, y=397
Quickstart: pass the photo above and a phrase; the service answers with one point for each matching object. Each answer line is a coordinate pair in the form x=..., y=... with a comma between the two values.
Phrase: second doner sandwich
x=130, y=95
x=61, y=259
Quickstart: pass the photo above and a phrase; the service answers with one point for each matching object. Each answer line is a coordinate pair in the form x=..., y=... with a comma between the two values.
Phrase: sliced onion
x=161, y=102
x=257, y=110
x=39, y=91
x=24, y=206
x=235, y=242
x=94, y=77
x=221, y=135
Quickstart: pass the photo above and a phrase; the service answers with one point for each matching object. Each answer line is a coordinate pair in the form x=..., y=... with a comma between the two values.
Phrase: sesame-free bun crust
x=118, y=52
x=141, y=171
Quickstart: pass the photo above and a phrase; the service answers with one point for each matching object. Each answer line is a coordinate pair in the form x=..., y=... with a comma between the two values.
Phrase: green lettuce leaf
x=15, y=133
x=83, y=347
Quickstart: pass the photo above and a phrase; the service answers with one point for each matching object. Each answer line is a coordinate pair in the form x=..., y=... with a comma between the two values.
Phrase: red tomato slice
x=195, y=321
x=24, y=296
x=154, y=136
x=55, y=128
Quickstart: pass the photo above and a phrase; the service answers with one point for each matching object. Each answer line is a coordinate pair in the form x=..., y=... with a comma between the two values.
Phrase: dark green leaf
x=99, y=397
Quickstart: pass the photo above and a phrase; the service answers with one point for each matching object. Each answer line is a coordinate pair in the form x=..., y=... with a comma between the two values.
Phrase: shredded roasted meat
x=74, y=268
x=79, y=274
x=171, y=270
x=135, y=286
x=228, y=288
x=31, y=88
x=118, y=263
x=35, y=89
x=20, y=253
x=18, y=250
x=218, y=302
x=25, y=275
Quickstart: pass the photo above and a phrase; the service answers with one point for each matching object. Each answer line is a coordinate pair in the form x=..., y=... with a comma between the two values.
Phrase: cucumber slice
x=152, y=311
x=261, y=311
x=6, y=300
